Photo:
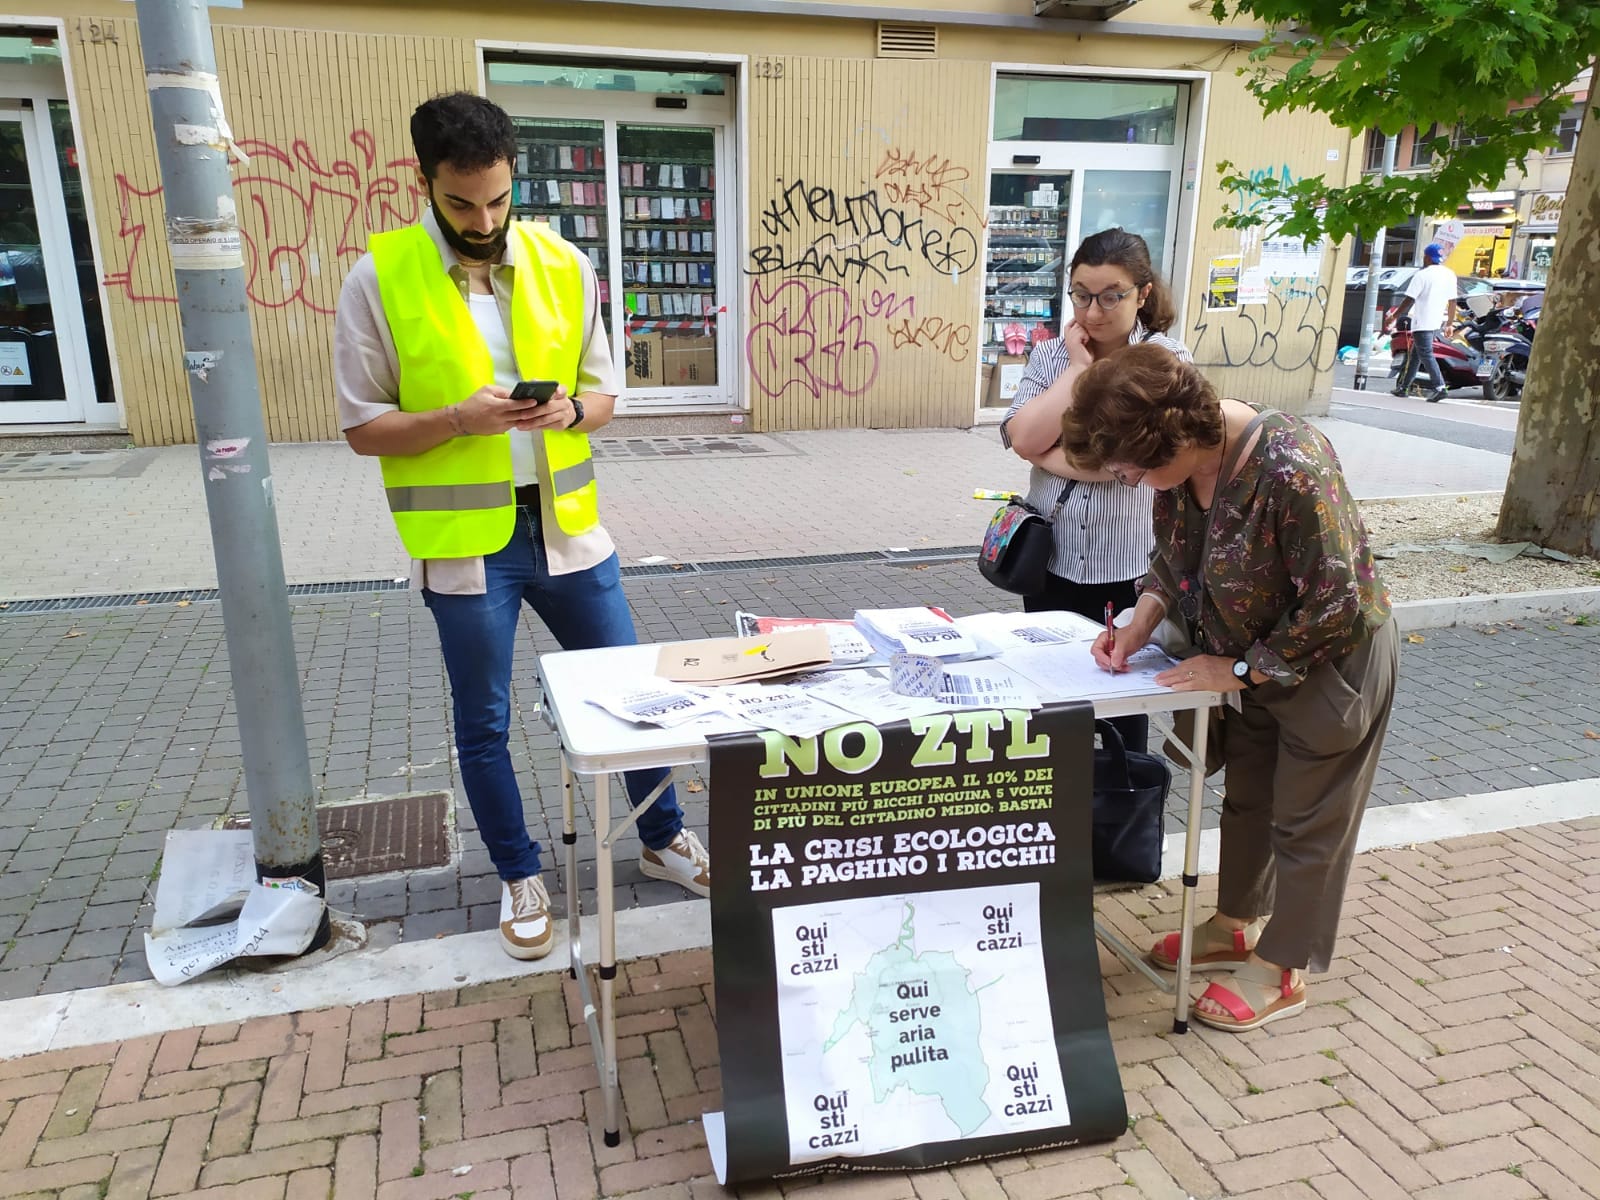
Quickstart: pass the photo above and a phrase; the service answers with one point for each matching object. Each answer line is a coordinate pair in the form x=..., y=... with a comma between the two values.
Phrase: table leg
x=569, y=840
x=1191, y=874
x=605, y=910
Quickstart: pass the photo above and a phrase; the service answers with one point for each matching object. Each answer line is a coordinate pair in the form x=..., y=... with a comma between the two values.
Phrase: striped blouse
x=1103, y=532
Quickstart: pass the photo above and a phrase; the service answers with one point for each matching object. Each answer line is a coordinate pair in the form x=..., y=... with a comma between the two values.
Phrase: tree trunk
x=1553, y=494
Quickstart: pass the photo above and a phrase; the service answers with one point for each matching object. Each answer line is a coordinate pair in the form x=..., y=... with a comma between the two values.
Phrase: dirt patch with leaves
x=1439, y=572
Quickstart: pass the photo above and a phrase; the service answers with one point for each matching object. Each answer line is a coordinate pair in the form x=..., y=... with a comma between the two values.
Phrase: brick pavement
x=1451, y=1053
x=117, y=725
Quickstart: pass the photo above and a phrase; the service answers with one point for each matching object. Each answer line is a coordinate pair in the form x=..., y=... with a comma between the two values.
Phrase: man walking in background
x=494, y=494
x=1431, y=300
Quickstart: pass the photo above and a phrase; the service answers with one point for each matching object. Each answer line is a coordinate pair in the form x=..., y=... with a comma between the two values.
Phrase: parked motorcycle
x=1503, y=369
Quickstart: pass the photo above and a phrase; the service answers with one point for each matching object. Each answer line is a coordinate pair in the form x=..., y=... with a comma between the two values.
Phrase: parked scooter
x=1503, y=369
x=1458, y=361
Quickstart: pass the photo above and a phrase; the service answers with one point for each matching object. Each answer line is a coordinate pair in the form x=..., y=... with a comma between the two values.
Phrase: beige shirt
x=366, y=377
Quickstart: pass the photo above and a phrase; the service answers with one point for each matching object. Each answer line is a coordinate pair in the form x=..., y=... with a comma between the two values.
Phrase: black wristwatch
x=1241, y=672
x=577, y=413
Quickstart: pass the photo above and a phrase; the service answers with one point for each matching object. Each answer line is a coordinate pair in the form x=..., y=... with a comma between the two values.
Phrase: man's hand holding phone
x=532, y=404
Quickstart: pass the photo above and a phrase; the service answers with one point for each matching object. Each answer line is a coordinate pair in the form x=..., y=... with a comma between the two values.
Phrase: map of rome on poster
x=914, y=1018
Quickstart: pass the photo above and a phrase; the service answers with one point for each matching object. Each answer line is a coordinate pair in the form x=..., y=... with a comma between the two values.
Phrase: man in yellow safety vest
x=494, y=496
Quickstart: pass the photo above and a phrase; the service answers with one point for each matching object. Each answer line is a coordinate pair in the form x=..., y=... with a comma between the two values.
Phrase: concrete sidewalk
x=131, y=521
x=1451, y=1053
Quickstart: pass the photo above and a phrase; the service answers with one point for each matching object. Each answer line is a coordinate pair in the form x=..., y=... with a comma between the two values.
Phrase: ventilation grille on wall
x=907, y=41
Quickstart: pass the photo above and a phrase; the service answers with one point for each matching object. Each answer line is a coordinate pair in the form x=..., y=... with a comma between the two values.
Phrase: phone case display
x=1024, y=274
x=667, y=177
x=560, y=177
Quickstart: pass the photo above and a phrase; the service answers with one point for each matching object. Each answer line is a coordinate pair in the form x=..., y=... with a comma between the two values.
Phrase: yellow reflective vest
x=456, y=500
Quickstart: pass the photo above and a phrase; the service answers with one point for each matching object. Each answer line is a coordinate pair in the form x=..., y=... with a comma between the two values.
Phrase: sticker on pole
x=211, y=907
x=219, y=251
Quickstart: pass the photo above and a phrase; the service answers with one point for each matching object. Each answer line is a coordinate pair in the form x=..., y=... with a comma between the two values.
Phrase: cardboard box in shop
x=643, y=360
x=1004, y=380
x=690, y=361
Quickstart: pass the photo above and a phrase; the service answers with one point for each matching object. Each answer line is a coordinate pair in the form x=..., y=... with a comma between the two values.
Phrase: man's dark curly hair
x=1139, y=408
x=466, y=131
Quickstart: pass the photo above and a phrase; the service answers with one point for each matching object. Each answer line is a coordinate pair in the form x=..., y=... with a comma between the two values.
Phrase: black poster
x=903, y=941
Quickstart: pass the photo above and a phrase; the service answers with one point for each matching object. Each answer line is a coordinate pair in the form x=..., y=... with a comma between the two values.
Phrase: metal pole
x=1369, y=305
x=195, y=145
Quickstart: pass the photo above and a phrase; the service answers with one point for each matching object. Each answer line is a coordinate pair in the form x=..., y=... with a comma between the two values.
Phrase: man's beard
x=478, y=250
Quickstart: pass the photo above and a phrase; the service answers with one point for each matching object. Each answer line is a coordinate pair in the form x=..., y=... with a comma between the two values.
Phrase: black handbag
x=1015, y=555
x=1130, y=796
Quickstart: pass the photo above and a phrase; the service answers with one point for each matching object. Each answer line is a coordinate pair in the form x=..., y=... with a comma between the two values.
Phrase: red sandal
x=1214, y=947
x=1277, y=995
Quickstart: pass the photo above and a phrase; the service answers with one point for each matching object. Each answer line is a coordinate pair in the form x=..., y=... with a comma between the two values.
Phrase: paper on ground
x=998, y=632
x=208, y=875
x=1070, y=672
x=716, y=1143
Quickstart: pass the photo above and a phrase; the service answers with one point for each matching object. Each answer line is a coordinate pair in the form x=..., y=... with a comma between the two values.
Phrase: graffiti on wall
x=832, y=290
x=1290, y=331
x=285, y=196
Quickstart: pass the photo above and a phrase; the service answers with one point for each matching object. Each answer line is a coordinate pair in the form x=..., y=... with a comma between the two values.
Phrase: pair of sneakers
x=527, y=930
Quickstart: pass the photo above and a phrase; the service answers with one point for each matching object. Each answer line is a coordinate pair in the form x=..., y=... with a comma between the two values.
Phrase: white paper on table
x=867, y=694
x=985, y=685
x=656, y=701
x=787, y=709
x=274, y=920
x=1070, y=672
x=915, y=631
x=997, y=632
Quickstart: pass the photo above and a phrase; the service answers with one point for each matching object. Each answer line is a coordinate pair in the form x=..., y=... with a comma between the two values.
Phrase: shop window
x=1567, y=131
x=1032, y=108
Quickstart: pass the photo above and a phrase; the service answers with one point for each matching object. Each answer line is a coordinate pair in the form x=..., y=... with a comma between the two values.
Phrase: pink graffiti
x=806, y=334
x=282, y=197
x=930, y=184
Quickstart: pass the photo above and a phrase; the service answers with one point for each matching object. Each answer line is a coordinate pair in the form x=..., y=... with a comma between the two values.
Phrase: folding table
x=598, y=745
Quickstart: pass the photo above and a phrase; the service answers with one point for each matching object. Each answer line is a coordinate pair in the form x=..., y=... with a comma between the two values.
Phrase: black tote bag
x=1130, y=795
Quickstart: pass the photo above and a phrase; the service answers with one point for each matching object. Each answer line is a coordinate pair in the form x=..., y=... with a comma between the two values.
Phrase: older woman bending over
x=1261, y=552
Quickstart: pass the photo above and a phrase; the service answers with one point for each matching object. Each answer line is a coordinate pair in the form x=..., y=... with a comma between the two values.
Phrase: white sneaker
x=683, y=861
x=526, y=930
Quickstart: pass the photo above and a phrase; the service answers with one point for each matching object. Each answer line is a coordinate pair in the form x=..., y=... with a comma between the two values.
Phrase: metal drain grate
x=70, y=464
x=373, y=837
x=729, y=445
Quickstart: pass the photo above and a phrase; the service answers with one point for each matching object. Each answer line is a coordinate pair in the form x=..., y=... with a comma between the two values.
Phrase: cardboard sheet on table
x=742, y=660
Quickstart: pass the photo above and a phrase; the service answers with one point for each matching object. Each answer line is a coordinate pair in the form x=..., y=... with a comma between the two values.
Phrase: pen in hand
x=1111, y=635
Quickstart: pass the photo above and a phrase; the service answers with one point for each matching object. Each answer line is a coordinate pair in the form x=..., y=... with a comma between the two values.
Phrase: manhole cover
x=372, y=837
x=71, y=464
x=740, y=445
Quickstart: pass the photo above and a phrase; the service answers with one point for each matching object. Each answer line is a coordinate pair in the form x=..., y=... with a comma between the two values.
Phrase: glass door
x=34, y=351
x=560, y=178
x=1024, y=281
x=671, y=299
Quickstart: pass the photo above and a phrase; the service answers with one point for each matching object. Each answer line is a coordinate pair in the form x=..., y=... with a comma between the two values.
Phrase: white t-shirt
x=1431, y=290
x=486, y=316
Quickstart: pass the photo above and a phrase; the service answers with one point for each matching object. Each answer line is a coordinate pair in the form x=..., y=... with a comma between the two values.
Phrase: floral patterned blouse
x=1289, y=582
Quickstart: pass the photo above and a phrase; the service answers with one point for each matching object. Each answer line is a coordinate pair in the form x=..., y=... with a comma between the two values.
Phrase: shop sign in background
x=903, y=936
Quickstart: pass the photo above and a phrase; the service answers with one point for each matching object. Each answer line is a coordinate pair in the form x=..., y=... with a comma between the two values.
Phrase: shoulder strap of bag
x=1224, y=476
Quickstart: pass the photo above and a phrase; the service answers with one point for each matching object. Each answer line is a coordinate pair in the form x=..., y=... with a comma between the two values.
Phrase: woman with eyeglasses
x=1261, y=551
x=1102, y=531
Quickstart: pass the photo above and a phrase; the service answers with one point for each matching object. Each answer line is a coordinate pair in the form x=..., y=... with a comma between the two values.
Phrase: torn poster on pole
x=211, y=908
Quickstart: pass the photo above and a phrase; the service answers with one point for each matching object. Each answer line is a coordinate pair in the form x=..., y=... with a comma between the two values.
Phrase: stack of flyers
x=915, y=631
x=848, y=646
x=657, y=702
x=997, y=633
x=788, y=710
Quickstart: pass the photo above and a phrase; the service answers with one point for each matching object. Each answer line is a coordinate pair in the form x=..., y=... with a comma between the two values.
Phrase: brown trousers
x=1301, y=762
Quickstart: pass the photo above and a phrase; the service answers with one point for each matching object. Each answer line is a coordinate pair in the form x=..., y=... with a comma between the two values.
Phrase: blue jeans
x=478, y=635
x=1421, y=356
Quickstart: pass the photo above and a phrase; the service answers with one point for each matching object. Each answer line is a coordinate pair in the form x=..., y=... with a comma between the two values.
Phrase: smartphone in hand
x=537, y=390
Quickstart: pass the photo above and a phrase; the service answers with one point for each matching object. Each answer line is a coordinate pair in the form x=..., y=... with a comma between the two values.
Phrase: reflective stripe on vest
x=456, y=501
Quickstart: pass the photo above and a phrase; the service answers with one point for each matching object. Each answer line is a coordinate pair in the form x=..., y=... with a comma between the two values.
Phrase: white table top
x=596, y=741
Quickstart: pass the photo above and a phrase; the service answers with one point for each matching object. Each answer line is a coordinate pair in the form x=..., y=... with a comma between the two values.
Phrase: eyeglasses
x=1108, y=299
x=1117, y=474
